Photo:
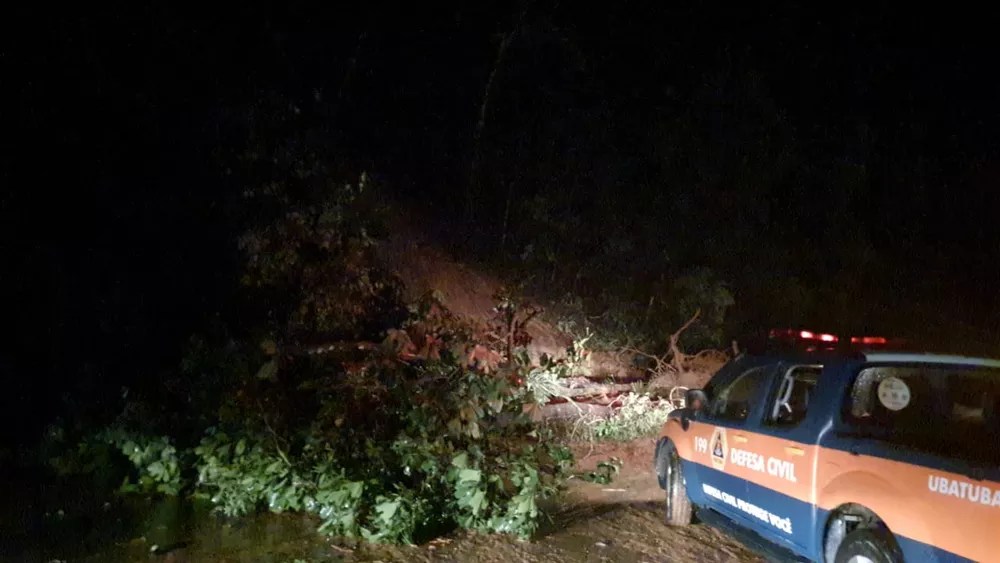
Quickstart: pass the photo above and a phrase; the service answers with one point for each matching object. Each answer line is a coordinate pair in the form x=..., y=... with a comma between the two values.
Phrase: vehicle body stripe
x=934, y=508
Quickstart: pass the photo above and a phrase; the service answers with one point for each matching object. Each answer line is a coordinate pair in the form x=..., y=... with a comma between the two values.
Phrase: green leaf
x=461, y=461
x=156, y=469
x=470, y=475
x=387, y=510
x=355, y=488
x=477, y=500
x=268, y=371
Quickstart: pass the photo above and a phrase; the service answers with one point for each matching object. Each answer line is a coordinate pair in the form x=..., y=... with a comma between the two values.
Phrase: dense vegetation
x=389, y=445
x=388, y=422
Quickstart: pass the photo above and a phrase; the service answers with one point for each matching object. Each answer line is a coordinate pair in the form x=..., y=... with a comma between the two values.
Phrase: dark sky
x=116, y=240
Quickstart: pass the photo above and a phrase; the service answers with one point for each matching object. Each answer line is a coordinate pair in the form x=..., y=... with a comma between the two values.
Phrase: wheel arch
x=846, y=518
x=674, y=430
x=888, y=500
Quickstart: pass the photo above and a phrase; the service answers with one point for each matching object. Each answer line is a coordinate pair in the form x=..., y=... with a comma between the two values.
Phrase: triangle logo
x=719, y=448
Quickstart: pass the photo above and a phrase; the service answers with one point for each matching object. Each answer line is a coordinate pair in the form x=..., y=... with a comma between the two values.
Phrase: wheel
x=678, y=510
x=868, y=545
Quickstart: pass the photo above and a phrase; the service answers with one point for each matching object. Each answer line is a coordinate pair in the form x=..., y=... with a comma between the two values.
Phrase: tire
x=677, y=506
x=868, y=545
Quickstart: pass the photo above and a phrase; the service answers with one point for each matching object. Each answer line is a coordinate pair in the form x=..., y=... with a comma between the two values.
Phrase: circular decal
x=893, y=393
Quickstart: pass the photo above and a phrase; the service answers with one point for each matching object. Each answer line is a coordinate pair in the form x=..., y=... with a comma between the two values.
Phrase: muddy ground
x=619, y=521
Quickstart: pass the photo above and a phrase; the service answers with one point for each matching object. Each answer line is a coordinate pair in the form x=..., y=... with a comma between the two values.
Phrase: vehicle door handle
x=740, y=438
x=794, y=450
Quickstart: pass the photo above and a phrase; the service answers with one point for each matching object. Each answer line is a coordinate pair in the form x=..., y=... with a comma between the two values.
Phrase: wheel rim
x=859, y=559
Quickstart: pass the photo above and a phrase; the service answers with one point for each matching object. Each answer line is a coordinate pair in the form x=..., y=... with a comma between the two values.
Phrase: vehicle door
x=781, y=456
x=930, y=434
x=723, y=427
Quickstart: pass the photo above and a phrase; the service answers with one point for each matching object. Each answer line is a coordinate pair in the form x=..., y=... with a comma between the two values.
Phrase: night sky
x=117, y=239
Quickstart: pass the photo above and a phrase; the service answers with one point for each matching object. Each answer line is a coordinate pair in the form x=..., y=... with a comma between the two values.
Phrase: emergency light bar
x=803, y=335
x=869, y=340
x=813, y=340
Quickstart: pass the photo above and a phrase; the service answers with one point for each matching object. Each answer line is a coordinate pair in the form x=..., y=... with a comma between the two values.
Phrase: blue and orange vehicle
x=843, y=453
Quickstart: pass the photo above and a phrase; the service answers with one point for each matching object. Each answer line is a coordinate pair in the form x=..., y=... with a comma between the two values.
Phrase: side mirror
x=695, y=400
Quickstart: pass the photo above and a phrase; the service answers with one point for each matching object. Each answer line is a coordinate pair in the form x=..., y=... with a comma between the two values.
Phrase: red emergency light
x=803, y=335
x=869, y=340
x=814, y=341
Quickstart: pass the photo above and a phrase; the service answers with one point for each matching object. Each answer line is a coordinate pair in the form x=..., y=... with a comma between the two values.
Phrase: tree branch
x=678, y=357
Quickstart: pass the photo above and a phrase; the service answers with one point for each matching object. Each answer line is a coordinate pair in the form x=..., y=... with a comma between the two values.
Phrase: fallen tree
x=616, y=411
x=394, y=446
x=676, y=368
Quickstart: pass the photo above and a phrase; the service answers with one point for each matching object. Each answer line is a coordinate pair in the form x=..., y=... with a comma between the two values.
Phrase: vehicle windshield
x=948, y=411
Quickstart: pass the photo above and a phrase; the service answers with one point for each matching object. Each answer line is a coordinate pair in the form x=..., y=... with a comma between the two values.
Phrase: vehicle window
x=734, y=401
x=945, y=411
x=791, y=402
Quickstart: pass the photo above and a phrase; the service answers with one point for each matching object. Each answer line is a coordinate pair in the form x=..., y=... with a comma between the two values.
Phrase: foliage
x=442, y=445
x=377, y=447
x=156, y=459
x=311, y=225
x=542, y=382
x=412, y=447
x=605, y=472
x=543, y=379
x=646, y=321
x=391, y=442
x=388, y=422
x=67, y=453
x=701, y=290
x=157, y=465
x=318, y=254
x=507, y=329
x=639, y=415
